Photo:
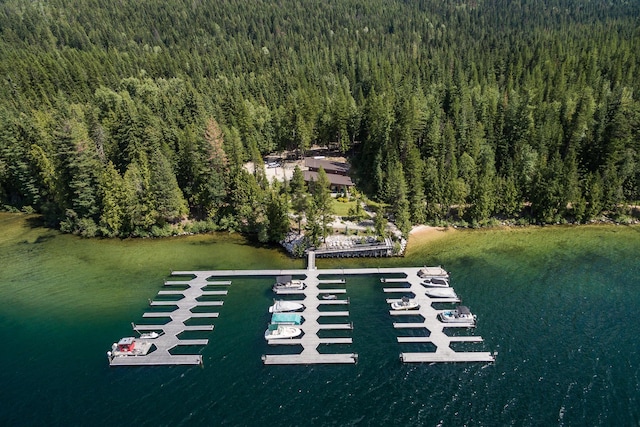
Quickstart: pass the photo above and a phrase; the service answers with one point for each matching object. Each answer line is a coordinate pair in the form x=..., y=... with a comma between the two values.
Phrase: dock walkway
x=384, y=249
x=312, y=301
x=406, y=279
x=168, y=339
x=442, y=342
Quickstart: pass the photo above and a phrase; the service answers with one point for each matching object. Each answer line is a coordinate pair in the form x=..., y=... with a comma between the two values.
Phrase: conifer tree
x=113, y=201
x=278, y=215
x=170, y=205
x=400, y=204
x=380, y=223
x=322, y=200
x=299, y=193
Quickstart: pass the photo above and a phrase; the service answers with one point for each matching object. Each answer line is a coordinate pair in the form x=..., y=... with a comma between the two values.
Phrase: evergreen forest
x=135, y=118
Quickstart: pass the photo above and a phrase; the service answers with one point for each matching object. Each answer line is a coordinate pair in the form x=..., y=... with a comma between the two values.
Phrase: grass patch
x=342, y=208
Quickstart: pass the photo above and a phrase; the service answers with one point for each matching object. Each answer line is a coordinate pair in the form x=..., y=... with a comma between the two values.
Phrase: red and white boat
x=130, y=346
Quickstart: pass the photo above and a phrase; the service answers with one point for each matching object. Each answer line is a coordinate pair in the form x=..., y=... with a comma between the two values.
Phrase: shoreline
x=418, y=234
x=423, y=234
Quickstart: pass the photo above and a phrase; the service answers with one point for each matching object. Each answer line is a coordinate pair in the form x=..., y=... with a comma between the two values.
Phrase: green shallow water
x=558, y=304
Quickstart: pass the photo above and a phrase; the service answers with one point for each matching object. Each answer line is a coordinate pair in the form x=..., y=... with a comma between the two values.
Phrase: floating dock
x=411, y=283
x=440, y=340
x=168, y=340
x=311, y=326
x=406, y=279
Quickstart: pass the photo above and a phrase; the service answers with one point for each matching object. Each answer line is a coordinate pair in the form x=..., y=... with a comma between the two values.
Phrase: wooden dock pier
x=377, y=250
x=311, y=326
x=437, y=337
x=168, y=339
x=410, y=283
x=309, y=341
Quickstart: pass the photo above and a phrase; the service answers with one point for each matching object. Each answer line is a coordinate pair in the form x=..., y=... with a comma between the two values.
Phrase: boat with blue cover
x=286, y=319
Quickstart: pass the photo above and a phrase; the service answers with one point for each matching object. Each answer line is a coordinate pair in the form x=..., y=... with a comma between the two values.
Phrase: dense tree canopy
x=119, y=118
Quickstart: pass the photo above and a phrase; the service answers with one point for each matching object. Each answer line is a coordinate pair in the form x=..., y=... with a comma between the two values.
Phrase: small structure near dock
x=377, y=249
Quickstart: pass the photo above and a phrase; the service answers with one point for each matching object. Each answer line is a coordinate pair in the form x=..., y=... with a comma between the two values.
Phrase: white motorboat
x=149, y=335
x=441, y=293
x=276, y=332
x=425, y=272
x=286, y=283
x=459, y=315
x=405, y=303
x=436, y=282
x=329, y=296
x=284, y=306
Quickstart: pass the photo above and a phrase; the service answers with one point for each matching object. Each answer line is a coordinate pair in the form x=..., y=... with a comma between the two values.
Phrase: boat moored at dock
x=425, y=272
x=287, y=283
x=130, y=347
x=285, y=306
x=149, y=335
x=286, y=319
x=405, y=303
x=441, y=293
x=460, y=315
x=435, y=282
x=275, y=332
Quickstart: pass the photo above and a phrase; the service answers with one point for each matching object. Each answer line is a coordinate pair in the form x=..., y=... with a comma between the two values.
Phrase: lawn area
x=341, y=208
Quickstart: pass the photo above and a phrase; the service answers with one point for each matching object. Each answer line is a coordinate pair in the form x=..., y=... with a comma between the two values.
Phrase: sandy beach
x=424, y=233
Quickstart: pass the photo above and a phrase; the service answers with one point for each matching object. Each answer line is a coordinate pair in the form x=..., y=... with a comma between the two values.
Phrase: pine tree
x=113, y=201
x=322, y=200
x=299, y=193
x=594, y=196
x=78, y=166
x=400, y=204
x=139, y=203
x=170, y=205
x=278, y=215
x=380, y=223
x=415, y=184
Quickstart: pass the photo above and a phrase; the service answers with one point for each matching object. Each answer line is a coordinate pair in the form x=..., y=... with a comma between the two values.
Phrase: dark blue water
x=559, y=305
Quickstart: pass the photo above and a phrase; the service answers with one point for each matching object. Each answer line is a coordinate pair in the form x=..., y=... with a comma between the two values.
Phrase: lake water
x=559, y=304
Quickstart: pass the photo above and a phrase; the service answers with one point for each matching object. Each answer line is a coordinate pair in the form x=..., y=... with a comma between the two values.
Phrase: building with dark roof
x=337, y=173
x=329, y=166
